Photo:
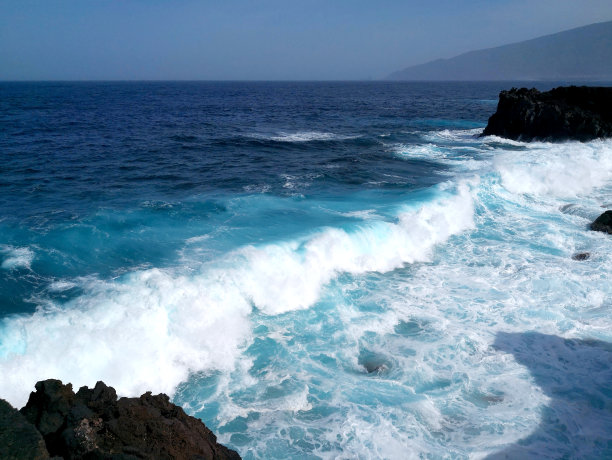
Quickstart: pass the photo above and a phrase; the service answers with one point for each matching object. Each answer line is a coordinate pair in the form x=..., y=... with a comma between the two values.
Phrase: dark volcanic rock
x=581, y=256
x=580, y=113
x=19, y=439
x=603, y=223
x=93, y=424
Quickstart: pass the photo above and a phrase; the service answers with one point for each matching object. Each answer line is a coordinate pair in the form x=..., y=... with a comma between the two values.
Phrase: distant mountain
x=584, y=53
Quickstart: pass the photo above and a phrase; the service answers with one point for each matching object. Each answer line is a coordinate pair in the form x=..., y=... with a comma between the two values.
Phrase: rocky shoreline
x=94, y=424
x=580, y=113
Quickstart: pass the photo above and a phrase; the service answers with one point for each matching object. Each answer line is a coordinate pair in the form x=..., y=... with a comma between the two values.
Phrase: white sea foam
x=427, y=151
x=454, y=135
x=62, y=285
x=197, y=239
x=16, y=257
x=460, y=158
x=291, y=402
x=293, y=182
x=506, y=141
x=257, y=188
x=145, y=332
x=162, y=325
x=304, y=136
x=364, y=214
x=562, y=170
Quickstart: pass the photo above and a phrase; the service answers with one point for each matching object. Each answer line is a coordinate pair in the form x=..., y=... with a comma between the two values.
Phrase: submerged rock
x=581, y=256
x=94, y=424
x=564, y=113
x=374, y=363
x=374, y=367
x=603, y=223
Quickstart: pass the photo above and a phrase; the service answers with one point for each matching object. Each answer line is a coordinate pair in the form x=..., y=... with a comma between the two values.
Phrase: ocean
x=316, y=270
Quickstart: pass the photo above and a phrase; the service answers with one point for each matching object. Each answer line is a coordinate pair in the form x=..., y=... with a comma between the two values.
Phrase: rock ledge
x=94, y=424
x=579, y=113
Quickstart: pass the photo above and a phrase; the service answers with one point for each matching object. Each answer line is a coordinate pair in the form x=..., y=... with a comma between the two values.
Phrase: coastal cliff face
x=565, y=113
x=94, y=424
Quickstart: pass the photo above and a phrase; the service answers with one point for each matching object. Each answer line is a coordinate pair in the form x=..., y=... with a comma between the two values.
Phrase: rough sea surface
x=317, y=270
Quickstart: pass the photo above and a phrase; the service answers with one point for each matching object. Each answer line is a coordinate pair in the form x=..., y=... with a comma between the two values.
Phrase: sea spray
x=562, y=170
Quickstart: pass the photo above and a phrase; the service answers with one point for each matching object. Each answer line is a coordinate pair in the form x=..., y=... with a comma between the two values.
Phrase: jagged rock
x=566, y=113
x=19, y=439
x=603, y=223
x=93, y=424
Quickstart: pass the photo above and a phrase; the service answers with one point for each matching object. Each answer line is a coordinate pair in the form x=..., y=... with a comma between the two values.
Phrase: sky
x=263, y=39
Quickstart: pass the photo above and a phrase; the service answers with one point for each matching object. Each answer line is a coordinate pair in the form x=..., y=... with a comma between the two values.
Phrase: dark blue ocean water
x=83, y=158
x=314, y=269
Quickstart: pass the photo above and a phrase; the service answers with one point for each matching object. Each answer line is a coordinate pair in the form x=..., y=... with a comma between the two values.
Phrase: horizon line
x=370, y=80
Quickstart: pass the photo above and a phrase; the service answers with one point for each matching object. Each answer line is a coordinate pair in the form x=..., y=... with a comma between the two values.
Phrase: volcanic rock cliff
x=94, y=424
x=565, y=113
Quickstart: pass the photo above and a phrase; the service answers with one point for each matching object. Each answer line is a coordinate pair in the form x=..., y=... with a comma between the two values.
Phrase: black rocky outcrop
x=566, y=113
x=94, y=424
x=19, y=439
x=603, y=223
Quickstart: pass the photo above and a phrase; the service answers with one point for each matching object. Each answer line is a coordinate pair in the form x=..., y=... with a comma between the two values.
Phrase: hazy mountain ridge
x=584, y=53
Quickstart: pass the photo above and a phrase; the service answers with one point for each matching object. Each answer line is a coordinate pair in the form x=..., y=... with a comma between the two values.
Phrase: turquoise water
x=315, y=270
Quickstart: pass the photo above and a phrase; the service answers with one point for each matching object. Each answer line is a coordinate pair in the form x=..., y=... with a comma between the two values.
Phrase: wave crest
x=162, y=325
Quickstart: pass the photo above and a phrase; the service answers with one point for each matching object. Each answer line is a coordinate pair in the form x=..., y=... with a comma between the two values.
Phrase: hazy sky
x=263, y=39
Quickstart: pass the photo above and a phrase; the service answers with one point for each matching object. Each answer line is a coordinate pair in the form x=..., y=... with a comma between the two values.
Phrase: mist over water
x=316, y=270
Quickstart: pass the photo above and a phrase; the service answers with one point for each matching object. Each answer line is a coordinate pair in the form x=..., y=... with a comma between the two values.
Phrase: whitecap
x=454, y=135
x=303, y=136
x=16, y=257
